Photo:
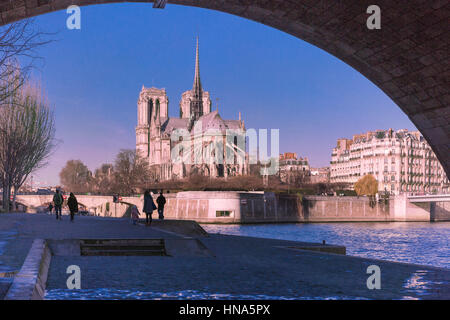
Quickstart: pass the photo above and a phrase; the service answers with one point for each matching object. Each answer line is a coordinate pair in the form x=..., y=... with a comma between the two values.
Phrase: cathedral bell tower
x=153, y=106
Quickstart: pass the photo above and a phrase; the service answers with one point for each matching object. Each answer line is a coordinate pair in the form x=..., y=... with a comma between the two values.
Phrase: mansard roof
x=382, y=134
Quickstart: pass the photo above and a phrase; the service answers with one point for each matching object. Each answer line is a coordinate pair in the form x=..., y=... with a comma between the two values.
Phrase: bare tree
x=367, y=186
x=75, y=176
x=130, y=171
x=103, y=179
x=18, y=40
x=298, y=178
x=26, y=137
x=38, y=137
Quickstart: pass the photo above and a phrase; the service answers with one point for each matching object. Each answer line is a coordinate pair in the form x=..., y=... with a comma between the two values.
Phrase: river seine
x=412, y=242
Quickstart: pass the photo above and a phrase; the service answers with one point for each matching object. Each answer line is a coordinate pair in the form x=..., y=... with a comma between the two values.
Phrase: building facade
x=198, y=142
x=320, y=175
x=401, y=161
x=293, y=169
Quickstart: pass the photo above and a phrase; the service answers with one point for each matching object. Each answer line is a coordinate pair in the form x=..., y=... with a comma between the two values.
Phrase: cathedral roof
x=174, y=123
x=214, y=121
x=233, y=124
x=211, y=120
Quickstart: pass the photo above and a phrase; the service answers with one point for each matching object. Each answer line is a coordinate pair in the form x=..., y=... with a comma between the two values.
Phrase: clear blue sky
x=93, y=77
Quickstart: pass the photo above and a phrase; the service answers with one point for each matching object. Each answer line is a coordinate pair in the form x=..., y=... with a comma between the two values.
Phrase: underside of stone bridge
x=408, y=58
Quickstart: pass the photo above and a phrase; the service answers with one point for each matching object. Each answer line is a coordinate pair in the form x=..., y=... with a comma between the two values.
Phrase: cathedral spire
x=197, y=87
x=196, y=103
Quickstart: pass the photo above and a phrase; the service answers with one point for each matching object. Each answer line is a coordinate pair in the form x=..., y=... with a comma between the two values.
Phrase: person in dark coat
x=161, y=201
x=58, y=201
x=149, y=206
x=72, y=203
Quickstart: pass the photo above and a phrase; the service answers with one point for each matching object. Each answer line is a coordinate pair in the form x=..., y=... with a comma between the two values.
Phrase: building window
x=223, y=213
x=157, y=107
x=149, y=111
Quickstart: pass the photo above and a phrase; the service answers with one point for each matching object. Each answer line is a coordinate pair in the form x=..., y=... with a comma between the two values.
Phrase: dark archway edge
x=408, y=58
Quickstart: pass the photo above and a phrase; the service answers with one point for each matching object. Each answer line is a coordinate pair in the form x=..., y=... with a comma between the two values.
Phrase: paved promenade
x=242, y=267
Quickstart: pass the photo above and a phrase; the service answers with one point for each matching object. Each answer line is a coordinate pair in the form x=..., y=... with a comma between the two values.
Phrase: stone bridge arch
x=34, y=201
x=137, y=201
x=90, y=202
x=408, y=58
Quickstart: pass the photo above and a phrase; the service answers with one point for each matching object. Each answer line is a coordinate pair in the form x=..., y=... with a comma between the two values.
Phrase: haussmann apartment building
x=401, y=161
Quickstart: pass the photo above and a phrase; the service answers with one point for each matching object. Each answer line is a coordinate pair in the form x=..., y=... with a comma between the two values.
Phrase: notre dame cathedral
x=198, y=142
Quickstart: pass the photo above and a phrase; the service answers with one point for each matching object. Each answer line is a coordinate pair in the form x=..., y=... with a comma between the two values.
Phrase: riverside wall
x=265, y=207
x=268, y=207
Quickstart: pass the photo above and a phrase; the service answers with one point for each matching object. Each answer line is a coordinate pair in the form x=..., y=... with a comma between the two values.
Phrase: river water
x=424, y=243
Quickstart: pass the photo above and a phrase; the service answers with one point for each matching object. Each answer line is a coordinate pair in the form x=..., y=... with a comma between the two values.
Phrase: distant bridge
x=429, y=198
x=97, y=204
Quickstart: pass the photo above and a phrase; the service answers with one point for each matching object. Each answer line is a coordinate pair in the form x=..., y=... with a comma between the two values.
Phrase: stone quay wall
x=440, y=211
x=268, y=207
x=265, y=207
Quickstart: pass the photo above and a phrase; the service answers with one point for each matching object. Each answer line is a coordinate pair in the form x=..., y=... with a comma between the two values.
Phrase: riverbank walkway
x=242, y=267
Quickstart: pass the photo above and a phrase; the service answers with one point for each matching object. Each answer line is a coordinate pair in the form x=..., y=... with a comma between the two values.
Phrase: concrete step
x=135, y=246
x=122, y=247
x=123, y=241
x=123, y=252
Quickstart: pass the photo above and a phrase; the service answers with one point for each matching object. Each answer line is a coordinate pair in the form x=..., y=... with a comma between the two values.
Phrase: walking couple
x=72, y=203
x=149, y=206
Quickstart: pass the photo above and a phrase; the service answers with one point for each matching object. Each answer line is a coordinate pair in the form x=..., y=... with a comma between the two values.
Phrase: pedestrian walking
x=72, y=203
x=149, y=206
x=134, y=214
x=58, y=201
x=161, y=201
x=50, y=208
